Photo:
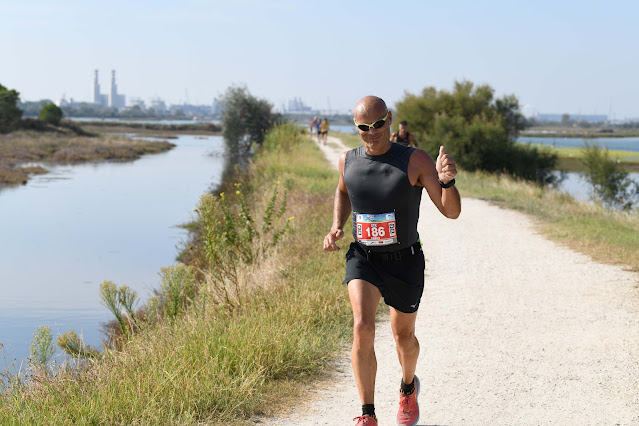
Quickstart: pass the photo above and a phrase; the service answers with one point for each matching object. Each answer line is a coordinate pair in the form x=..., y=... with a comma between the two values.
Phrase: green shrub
x=42, y=349
x=245, y=120
x=51, y=114
x=73, y=345
x=10, y=114
x=121, y=303
x=608, y=178
x=477, y=129
x=178, y=288
x=232, y=238
x=282, y=138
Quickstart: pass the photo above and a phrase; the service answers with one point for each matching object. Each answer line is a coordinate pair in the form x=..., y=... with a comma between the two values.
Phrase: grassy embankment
x=166, y=131
x=569, y=158
x=609, y=237
x=63, y=145
x=214, y=364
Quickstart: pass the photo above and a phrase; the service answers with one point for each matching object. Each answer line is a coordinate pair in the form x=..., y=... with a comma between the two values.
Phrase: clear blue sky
x=555, y=56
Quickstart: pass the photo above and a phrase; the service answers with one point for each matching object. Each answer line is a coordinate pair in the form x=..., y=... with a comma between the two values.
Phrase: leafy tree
x=245, y=119
x=479, y=130
x=32, y=108
x=10, y=114
x=609, y=181
x=51, y=114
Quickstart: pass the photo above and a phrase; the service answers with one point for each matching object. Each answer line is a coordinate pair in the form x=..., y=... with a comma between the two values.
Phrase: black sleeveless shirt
x=403, y=141
x=378, y=184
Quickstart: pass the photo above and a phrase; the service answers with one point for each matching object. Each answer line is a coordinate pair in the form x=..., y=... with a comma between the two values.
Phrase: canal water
x=65, y=232
x=574, y=183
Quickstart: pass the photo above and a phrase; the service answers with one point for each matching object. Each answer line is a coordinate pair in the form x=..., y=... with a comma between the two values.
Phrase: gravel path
x=514, y=330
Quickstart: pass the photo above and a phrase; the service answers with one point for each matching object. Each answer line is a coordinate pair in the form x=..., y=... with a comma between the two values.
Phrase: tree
x=477, y=129
x=32, y=108
x=245, y=119
x=609, y=181
x=51, y=114
x=10, y=114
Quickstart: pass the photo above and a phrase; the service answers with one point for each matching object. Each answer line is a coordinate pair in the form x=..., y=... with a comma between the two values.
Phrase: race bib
x=376, y=229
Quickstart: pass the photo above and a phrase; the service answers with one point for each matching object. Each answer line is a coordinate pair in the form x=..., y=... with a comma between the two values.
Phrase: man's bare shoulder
x=341, y=161
x=420, y=157
x=421, y=167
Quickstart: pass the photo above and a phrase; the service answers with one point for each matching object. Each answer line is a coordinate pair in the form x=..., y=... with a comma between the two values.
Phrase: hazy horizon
x=569, y=57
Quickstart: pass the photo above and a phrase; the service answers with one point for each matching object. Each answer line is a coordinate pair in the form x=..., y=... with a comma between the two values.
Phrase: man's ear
x=390, y=117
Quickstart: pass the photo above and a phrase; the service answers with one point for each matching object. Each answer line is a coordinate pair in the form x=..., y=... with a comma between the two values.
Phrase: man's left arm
x=434, y=175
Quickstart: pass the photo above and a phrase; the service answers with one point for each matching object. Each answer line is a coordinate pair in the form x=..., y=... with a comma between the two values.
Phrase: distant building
x=137, y=102
x=296, y=105
x=62, y=101
x=593, y=118
x=97, y=97
x=158, y=106
x=113, y=99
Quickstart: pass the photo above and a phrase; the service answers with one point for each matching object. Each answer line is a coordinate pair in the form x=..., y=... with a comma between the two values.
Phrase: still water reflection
x=65, y=232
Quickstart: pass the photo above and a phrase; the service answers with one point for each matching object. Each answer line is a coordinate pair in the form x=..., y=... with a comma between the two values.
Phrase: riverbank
x=570, y=158
x=157, y=129
x=19, y=148
x=577, y=132
x=221, y=363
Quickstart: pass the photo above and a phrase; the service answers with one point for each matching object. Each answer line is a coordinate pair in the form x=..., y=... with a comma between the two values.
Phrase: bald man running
x=381, y=183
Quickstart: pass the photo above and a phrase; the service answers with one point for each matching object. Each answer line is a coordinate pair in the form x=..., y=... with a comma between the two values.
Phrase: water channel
x=574, y=183
x=65, y=232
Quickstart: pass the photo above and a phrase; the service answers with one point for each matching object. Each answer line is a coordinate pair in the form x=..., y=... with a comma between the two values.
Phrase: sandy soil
x=514, y=330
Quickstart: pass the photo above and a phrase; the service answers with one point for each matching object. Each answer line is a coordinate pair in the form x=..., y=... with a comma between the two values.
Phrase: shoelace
x=366, y=420
x=404, y=402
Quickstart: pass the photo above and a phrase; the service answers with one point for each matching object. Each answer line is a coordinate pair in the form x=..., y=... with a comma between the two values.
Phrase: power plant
x=113, y=99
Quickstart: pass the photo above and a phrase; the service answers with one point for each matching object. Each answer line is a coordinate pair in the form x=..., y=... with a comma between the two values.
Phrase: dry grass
x=31, y=146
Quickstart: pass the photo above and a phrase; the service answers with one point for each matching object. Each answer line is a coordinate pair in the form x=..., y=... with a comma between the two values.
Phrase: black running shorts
x=401, y=282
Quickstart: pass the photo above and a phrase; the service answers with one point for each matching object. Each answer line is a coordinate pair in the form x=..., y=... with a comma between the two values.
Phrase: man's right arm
x=341, y=210
x=412, y=141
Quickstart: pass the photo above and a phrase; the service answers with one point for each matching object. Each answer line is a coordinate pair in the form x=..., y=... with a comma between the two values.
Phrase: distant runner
x=312, y=126
x=324, y=130
x=403, y=136
x=381, y=184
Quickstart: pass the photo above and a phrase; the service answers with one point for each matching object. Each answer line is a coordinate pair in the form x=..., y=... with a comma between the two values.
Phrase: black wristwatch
x=446, y=185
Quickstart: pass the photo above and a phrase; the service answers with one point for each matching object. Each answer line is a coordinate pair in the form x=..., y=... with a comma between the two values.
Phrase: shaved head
x=370, y=105
x=370, y=110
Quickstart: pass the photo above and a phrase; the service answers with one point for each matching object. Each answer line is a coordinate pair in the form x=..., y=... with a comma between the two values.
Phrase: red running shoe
x=366, y=421
x=408, y=413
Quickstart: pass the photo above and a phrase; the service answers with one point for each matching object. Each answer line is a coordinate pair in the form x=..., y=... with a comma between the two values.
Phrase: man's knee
x=364, y=330
x=405, y=339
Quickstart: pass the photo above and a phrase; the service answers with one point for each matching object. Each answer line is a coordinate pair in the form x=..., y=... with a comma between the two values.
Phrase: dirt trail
x=514, y=330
